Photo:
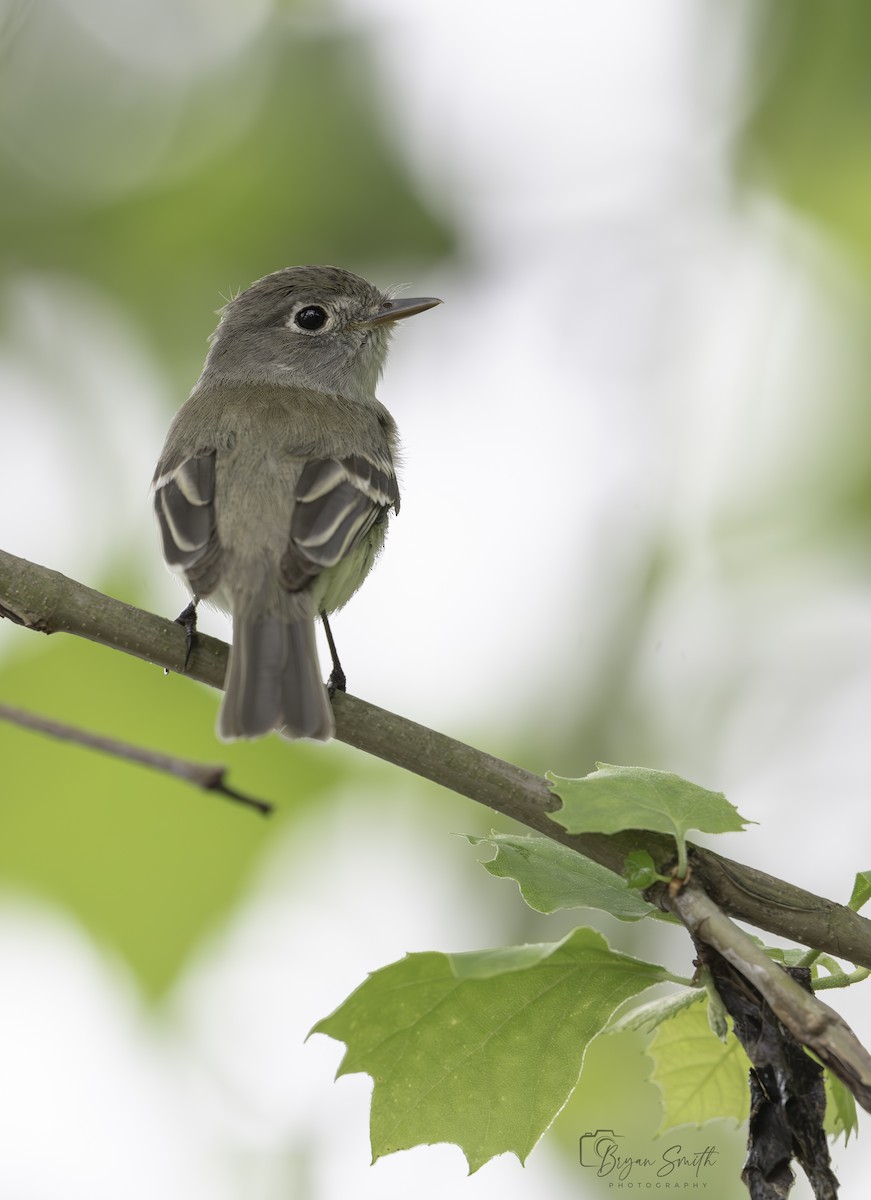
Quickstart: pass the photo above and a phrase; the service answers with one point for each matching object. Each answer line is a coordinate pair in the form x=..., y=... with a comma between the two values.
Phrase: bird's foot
x=188, y=621
x=337, y=681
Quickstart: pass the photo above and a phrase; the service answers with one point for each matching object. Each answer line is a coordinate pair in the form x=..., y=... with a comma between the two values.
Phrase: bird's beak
x=395, y=310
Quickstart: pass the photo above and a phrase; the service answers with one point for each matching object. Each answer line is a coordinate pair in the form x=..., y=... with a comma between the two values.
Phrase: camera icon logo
x=593, y=1146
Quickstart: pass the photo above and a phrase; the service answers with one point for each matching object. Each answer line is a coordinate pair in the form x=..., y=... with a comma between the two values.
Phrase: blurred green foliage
x=142, y=153
x=146, y=862
x=810, y=133
x=173, y=190
x=808, y=139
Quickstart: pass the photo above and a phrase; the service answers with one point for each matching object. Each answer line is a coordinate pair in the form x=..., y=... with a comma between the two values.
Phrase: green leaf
x=551, y=876
x=641, y=870
x=615, y=798
x=485, y=964
x=648, y=1016
x=481, y=1050
x=700, y=1078
x=841, y=1117
x=861, y=890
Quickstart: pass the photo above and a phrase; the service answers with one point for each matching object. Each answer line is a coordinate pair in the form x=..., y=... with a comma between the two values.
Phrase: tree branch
x=810, y=1022
x=202, y=775
x=49, y=602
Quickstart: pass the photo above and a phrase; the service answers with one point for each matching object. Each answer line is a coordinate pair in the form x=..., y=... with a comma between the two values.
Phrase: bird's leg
x=337, y=681
x=188, y=621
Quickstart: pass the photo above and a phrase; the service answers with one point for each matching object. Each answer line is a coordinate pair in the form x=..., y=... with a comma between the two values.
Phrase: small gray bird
x=275, y=483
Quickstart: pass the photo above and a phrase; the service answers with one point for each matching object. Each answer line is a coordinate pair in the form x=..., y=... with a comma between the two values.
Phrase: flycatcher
x=276, y=481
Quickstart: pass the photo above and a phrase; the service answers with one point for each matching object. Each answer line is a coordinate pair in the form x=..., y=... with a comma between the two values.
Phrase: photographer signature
x=601, y=1150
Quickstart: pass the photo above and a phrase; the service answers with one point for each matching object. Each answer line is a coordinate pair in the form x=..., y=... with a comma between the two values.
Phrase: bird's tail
x=274, y=682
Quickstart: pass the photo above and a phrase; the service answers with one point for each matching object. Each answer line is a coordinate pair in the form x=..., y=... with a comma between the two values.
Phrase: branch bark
x=810, y=1022
x=48, y=602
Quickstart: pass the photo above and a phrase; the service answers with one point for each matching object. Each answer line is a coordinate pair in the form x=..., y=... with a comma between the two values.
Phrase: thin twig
x=202, y=775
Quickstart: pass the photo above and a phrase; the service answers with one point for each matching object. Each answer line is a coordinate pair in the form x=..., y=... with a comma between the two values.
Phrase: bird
x=275, y=484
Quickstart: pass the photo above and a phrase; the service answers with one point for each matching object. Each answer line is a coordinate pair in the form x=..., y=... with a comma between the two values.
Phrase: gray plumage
x=274, y=486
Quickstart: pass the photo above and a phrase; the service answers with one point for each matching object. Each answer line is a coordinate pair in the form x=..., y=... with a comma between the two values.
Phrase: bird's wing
x=337, y=501
x=184, y=500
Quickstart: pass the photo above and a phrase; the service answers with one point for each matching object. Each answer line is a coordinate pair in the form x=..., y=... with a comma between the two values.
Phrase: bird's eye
x=310, y=317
